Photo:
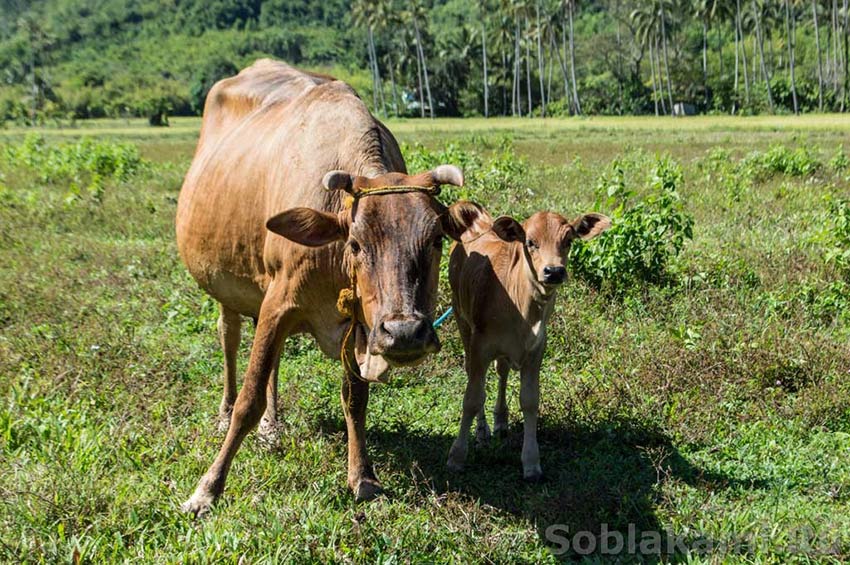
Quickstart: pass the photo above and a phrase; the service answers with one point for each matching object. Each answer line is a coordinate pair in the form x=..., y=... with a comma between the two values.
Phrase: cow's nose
x=554, y=274
x=404, y=339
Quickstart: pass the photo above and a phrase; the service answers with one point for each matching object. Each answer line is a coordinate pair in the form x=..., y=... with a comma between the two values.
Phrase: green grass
x=715, y=408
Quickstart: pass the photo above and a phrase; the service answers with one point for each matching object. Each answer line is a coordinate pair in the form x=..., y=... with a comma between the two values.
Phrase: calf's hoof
x=457, y=458
x=224, y=415
x=199, y=504
x=367, y=489
x=482, y=435
x=533, y=475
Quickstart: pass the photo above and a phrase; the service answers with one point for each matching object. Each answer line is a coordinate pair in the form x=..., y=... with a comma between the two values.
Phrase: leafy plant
x=84, y=165
x=648, y=232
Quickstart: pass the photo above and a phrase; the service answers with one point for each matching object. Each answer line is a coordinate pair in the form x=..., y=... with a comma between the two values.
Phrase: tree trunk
x=652, y=72
x=743, y=53
x=705, y=62
x=424, y=67
x=573, y=60
x=846, y=31
x=817, y=47
x=484, y=60
x=395, y=92
x=760, y=40
x=421, y=88
x=666, y=61
x=540, y=60
x=790, y=36
x=377, y=72
x=517, y=70
x=562, y=63
x=372, y=71
x=528, y=69
x=738, y=42
x=619, y=58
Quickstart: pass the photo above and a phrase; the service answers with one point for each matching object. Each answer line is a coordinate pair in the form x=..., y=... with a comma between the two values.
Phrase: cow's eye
x=354, y=246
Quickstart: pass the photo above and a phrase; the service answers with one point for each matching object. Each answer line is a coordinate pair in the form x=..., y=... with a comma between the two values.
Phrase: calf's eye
x=354, y=246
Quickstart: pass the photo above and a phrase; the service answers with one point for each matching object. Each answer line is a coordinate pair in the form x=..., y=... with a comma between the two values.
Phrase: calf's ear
x=309, y=227
x=588, y=226
x=508, y=229
x=461, y=217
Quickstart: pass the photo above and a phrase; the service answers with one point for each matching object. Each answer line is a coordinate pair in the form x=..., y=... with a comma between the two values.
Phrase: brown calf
x=504, y=282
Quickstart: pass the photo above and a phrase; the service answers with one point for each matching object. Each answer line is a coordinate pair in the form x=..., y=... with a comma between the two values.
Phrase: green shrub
x=648, y=232
x=779, y=159
x=84, y=165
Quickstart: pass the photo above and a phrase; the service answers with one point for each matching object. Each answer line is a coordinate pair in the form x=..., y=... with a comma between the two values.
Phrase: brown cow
x=504, y=282
x=269, y=138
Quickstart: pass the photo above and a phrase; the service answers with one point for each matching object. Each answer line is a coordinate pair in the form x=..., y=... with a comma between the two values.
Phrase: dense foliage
x=68, y=59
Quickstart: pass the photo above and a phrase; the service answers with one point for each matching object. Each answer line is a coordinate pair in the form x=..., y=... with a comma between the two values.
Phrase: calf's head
x=393, y=243
x=546, y=238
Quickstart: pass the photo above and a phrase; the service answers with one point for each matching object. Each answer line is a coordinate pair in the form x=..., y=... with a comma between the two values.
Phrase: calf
x=504, y=280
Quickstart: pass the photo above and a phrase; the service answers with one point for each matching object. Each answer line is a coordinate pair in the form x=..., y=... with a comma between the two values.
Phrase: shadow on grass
x=599, y=476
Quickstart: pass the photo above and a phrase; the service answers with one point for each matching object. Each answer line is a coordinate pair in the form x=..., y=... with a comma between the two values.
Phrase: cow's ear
x=309, y=227
x=508, y=229
x=460, y=217
x=589, y=226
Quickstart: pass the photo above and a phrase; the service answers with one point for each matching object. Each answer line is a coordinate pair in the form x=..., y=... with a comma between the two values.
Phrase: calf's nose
x=554, y=274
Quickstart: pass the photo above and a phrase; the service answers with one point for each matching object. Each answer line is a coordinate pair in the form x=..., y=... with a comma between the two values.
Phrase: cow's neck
x=534, y=301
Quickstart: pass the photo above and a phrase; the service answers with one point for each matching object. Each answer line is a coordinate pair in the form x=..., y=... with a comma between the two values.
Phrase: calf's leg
x=473, y=403
x=250, y=403
x=529, y=401
x=500, y=410
x=229, y=330
x=361, y=476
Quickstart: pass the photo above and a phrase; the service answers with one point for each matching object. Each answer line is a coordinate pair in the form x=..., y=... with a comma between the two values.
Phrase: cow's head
x=393, y=244
x=546, y=239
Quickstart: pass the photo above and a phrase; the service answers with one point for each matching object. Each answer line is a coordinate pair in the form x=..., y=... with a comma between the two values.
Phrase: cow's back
x=231, y=99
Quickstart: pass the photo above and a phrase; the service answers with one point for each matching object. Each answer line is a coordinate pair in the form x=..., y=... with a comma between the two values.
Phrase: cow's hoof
x=199, y=504
x=533, y=475
x=268, y=433
x=367, y=489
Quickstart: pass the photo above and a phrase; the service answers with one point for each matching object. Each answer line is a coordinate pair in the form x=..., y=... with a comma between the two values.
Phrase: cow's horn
x=447, y=174
x=338, y=180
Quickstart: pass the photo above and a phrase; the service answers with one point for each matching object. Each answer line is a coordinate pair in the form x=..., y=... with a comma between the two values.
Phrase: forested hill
x=70, y=59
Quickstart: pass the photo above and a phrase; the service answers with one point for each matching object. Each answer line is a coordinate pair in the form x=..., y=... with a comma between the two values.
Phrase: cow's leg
x=473, y=403
x=529, y=401
x=268, y=429
x=361, y=476
x=274, y=324
x=500, y=410
x=229, y=328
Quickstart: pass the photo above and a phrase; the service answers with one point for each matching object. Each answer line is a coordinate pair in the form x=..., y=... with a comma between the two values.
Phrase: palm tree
x=757, y=15
x=569, y=6
x=482, y=7
x=364, y=15
x=417, y=11
x=817, y=48
x=789, y=17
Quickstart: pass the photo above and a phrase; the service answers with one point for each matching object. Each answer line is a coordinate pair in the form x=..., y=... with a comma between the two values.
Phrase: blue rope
x=443, y=318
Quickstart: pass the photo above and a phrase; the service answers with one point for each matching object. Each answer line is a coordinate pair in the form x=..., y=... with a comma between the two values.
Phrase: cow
x=504, y=278
x=298, y=212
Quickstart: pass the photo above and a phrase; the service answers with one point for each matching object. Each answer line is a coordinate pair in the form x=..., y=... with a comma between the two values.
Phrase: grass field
x=713, y=408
